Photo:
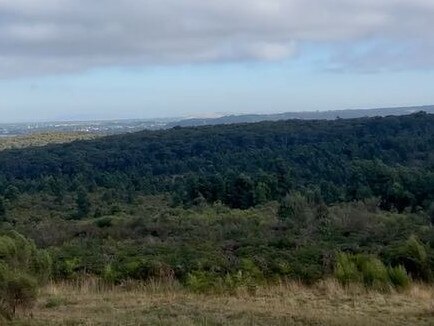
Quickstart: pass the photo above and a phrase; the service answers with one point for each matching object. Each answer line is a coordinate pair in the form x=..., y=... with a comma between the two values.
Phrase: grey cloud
x=57, y=36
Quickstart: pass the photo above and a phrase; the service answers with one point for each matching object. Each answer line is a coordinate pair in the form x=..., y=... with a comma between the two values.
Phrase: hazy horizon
x=205, y=115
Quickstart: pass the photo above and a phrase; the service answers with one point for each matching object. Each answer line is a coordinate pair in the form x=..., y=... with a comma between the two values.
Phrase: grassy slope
x=286, y=304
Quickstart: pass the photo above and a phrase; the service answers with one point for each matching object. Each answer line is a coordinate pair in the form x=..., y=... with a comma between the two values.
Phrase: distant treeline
x=246, y=164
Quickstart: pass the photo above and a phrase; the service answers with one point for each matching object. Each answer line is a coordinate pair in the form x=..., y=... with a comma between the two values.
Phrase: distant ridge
x=307, y=115
x=120, y=126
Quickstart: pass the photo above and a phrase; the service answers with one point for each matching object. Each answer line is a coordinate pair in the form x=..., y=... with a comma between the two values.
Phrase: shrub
x=346, y=270
x=65, y=267
x=307, y=264
x=250, y=270
x=200, y=282
x=18, y=290
x=293, y=207
x=374, y=273
x=109, y=274
x=21, y=255
x=398, y=277
x=412, y=255
x=370, y=271
x=104, y=222
x=249, y=277
x=22, y=268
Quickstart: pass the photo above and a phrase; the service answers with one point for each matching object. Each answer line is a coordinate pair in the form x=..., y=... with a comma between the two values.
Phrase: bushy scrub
x=373, y=271
x=412, y=254
x=294, y=207
x=248, y=276
x=202, y=282
x=346, y=270
x=17, y=290
x=22, y=269
x=306, y=264
x=370, y=271
x=398, y=277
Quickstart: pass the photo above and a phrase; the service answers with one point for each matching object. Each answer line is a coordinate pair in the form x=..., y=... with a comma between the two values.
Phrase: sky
x=112, y=59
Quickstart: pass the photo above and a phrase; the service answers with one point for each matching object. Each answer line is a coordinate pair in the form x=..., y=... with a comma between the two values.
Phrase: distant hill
x=307, y=115
x=347, y=159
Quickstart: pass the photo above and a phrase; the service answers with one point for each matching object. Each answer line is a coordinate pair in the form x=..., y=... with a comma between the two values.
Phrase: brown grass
x=44, y=138
x=327, y=303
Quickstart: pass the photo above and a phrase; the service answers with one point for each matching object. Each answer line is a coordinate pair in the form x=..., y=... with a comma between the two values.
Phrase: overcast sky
x=82, y=59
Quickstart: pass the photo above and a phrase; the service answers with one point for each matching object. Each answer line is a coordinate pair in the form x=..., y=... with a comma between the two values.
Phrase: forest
x=221, y=207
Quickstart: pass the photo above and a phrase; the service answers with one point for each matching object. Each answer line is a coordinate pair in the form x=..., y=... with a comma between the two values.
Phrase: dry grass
x=327, y=303
x=43, y=139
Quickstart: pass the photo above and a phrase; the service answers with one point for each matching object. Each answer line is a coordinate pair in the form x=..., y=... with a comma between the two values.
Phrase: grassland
x=327, y=303
x=43, y=139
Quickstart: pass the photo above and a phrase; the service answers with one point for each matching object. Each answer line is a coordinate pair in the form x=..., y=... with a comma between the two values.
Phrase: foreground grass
x=327, y=303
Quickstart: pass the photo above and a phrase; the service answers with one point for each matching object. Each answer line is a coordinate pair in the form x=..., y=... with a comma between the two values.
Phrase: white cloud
x=56, y=36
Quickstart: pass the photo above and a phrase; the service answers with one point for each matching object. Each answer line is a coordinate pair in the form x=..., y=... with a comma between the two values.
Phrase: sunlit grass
x=90, y=302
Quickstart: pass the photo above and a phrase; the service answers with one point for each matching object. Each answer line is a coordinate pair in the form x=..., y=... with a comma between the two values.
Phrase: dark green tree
x=431, y=213
x=83, y=203
x=241, y=193
x=262, y=193
x=12, y=192
x=2, y=209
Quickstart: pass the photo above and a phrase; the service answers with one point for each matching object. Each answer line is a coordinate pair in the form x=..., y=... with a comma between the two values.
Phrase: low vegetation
x=210, y=255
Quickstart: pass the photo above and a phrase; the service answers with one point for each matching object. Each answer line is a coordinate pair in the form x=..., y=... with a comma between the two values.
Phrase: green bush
x=370, y=271
x=104, y=222
x=413, y=256
x=249, y=269
x=17, y=290
x=293, y=207
x=110, y=275
x=201, y=282
x=374, y=273
x=248, y=277
x=346, y=270
x=22, y=269
x=398, y=277
x=19, y=254
x=66, y=268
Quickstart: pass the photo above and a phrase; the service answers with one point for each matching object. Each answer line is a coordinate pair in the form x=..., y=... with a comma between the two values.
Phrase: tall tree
x=2, y=210
x=83, y=203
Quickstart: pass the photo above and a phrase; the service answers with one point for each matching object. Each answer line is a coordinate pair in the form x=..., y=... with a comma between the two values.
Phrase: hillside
x=343, y=159
x=222, y=209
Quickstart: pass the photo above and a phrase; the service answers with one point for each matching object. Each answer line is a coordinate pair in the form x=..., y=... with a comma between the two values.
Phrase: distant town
x=104, y=127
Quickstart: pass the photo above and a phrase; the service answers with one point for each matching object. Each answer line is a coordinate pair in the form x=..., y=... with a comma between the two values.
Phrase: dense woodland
x=244, y=165
x=218, y=207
